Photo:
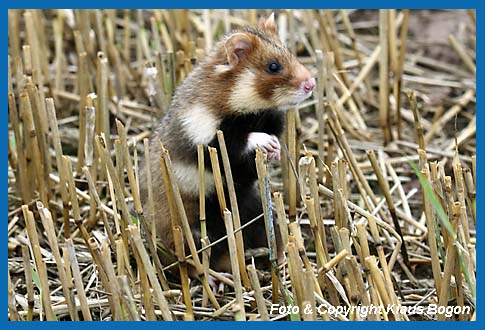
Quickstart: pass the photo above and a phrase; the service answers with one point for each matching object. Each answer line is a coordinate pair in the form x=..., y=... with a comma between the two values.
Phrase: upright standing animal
x=243, y=88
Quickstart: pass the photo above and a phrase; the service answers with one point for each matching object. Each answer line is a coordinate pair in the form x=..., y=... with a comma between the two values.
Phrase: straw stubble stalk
x=12, y=305
x=238, y=307
x=84, y=89
x=295, y=267
x=390, y=202
x=216, y=172
x=49, y=228
x=29, y=283
x=39, y=262
x=150, y=202
x=118, y=191
x=78, y=281
x=234, y=208
x=449, y=266
x=184, y=276
x=400, y=69
x=258, y=294
x=129, y=168
x=145, y=290
x=39, y=116
x=371, y=263
x=274, y=254
x=298, y=241
x=22, y=170
x=431, y=225
x=202, y=217
x=150, y=271
x=384, y=114
x=450, y=114
x=292, y=160
x=320, y=112
x=362, y=184
x=56, y=141
x=321, y=255
x=127, y=298
x=281, y=215
x=149, y=232
x=32, y=147
x=462, y=52
x=102, y=113
x=170, y=177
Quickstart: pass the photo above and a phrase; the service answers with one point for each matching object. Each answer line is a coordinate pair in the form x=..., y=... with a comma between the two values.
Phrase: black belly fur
x=236, y=130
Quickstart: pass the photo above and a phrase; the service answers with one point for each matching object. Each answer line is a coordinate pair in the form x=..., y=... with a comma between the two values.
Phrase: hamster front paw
x=269, y=144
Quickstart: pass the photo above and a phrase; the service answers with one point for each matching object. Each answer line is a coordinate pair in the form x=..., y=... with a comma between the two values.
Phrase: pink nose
x=309, y=85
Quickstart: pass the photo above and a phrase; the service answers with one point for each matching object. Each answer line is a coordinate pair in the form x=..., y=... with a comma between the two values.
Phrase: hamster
x=243, y=88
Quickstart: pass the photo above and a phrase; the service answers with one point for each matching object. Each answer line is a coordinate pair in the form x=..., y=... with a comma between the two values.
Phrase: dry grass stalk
x=308, y=296
x=22, y=170
x=29, y=283
x=298, y=241
x=234, y=208
x=292, y=161
x=84, y=89
x=184, y=277
x=150, y=202
x=430, y=223
x=449, y=263
x=150, y=271
x=460, y=192
x=400, y=69
x=363, y=75
x=461, y=51
x=41, y=130
x=295, y=267
x=12, y=304
x=281, y=214
x=40, y=266
x=262, y=171
x=371, y=263
x=129, y=169
x=384, y=113
x=127, y=299
x=450, y=114
x=78, y=282
x=115, y=186
x=48, y=224
x=390, y=202
x=186, y=227
x=417, y=120
x=238, y=307
x=105, y=256
x=102, y=110
x=320, y=112
x=216, y=172
x=258, y=294
x=202, y=217
x=51, y=115
x=361, y=182
x=358, y=54
x=321, y=255
x=32, y=146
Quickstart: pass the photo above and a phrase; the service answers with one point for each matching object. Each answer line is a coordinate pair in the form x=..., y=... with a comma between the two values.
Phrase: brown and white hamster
x=243, y=88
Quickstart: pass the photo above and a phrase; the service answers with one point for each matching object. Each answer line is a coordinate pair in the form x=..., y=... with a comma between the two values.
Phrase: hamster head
x=260, y=71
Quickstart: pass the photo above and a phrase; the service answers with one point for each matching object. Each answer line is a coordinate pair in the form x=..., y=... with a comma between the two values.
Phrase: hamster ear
x=268, y=24
x=237, y=47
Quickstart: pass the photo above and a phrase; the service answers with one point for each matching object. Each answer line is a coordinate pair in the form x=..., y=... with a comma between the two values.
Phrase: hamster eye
x=274, y=67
